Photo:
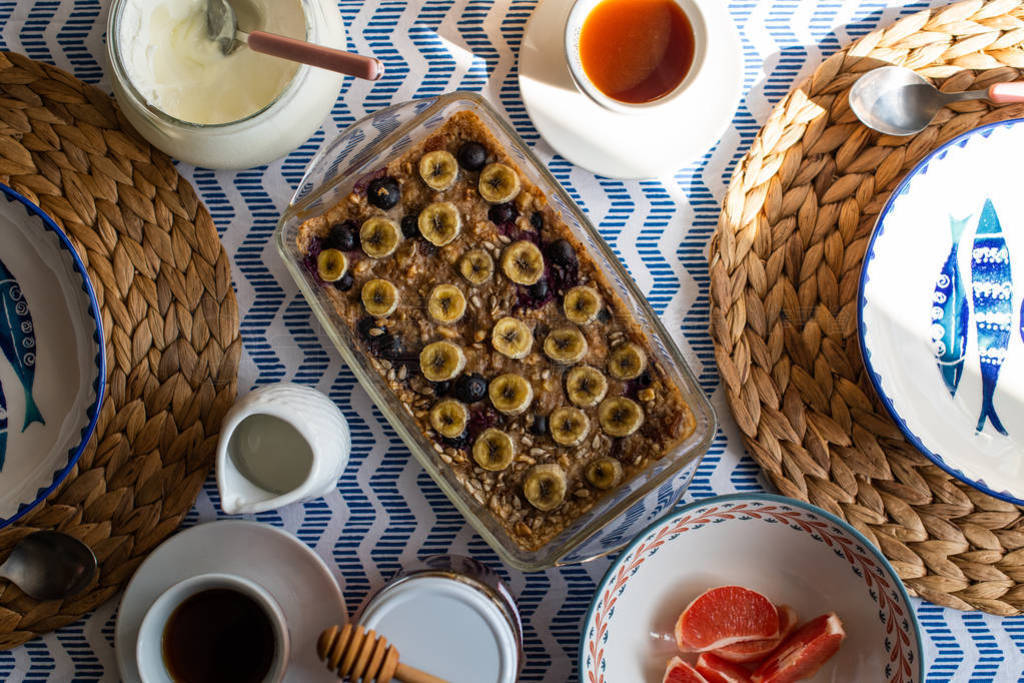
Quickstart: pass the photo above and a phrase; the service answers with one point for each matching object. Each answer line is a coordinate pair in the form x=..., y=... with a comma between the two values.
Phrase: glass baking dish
x=368, y=145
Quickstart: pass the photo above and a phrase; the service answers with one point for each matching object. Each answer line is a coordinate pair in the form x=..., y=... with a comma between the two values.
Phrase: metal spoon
x=897, y=101
x=222, y=28
x=49, y=565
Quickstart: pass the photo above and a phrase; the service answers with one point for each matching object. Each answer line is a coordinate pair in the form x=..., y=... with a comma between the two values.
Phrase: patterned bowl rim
x=876, y=381
x=99, y=385
x=714, y=501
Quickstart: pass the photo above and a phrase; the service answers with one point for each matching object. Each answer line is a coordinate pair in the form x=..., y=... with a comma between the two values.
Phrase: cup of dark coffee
x=213, y=628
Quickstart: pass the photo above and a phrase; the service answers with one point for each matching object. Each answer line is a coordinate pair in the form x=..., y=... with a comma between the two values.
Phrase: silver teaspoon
x=897, y=101
x=49, y=565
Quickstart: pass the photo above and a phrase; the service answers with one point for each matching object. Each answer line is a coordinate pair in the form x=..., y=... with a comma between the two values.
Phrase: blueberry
x=460, y=442
x=537, y=220
x=470, y=388
x=479, y=420
x=442, y=388
x=346, y=282
x=472, y=156
x=364, y=181
x=389, y=346
x=539, y=290
x=561, y=253
x=604, y=315
x=383, y=193
x=502, y=213
x=365, y=324
x=633, y=386
x=410, y=226
x=344, y=236
x=540, y=425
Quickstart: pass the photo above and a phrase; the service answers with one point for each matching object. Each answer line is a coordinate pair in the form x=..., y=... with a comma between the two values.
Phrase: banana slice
x=379, y=236
x=510, y=394
x=440, y=223
x=620, y=416
x=442, y=361
x=523, y=263
x=446, y=304
x=494, y=450
x=331, y=265
x=498, y=184
x=380, y=298
x=586, y=386
x=477, y=266
x=512, y=338
x=439, y=170
x=449, y=418
x=565, y=345
x=569, y=426
x=627, y=361
x=604, y=472
x=545, y=486
x=582, y=304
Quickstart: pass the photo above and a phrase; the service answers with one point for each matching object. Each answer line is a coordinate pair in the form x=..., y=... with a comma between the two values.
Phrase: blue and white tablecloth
x=386, y=510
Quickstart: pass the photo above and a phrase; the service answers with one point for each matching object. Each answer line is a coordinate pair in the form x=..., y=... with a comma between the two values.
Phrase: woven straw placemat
x=170, y=321
x=785, y=265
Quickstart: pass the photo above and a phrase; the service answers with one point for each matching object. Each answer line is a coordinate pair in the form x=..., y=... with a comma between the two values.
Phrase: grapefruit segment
x=726, y=615
x=756, y=650
x=679, y=671
x=802, y=654
x=718, y=670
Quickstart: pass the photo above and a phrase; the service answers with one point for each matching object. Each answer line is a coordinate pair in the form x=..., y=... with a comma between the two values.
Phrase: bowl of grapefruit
x=750, y=588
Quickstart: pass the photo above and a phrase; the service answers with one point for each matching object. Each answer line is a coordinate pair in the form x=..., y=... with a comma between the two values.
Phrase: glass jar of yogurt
x=207, y=109
x=451, y=617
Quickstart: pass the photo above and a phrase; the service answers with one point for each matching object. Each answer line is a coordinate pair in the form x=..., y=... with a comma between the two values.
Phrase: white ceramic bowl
x=792, y=552
x=941, y=290
x=573, y=27
x=149, y=645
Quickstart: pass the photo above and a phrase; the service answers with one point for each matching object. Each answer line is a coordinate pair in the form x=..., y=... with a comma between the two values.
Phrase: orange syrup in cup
x=636, y=51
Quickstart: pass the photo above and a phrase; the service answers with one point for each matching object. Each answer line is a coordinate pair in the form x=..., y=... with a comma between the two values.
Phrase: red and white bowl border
x=867, y=563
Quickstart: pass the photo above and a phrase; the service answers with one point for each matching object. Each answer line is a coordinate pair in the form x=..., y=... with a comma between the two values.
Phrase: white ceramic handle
x=1007, y=93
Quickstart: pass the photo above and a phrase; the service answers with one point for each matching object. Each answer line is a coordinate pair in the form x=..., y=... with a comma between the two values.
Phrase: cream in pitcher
x=281, y=444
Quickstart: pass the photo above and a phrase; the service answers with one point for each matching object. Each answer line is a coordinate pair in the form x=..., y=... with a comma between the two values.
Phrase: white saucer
x=296, y=576
x=628, y=146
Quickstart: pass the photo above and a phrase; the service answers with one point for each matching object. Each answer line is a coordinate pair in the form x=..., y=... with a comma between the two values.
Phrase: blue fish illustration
x=992, y=284
x=3, y=427
x=950, y=314
x=18, y=339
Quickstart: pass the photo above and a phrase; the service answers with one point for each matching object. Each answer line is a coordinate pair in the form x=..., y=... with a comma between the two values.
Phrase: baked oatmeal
x=497, y=331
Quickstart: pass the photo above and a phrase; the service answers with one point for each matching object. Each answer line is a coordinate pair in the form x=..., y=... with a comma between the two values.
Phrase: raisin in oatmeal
x=495, y=328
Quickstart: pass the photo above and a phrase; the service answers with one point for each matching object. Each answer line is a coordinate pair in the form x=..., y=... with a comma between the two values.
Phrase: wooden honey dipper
x=359, y=654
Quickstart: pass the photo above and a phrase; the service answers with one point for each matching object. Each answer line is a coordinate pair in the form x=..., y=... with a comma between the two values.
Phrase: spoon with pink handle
x=897, y=101
x=222, y=28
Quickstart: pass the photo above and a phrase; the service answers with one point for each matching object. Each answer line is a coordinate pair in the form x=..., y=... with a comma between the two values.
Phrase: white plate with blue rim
x=940, y=308
x=52, y=364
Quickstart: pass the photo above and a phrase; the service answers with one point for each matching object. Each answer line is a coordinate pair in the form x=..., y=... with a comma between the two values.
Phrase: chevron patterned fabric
x=386, y=509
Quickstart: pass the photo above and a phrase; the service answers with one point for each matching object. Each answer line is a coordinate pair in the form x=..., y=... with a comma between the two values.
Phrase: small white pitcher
x=280, y=444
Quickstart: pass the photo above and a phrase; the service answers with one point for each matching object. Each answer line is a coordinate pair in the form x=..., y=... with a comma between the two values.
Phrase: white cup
x=149, y=646
x=581, y=9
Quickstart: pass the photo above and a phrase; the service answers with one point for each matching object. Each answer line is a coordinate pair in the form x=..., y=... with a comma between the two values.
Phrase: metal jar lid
x=452, y=617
